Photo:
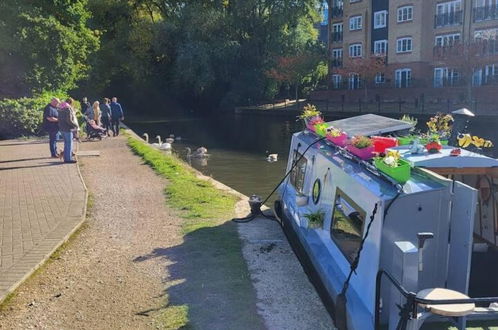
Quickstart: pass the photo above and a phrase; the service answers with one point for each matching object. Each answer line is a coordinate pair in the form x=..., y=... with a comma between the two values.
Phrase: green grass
x=195, y=198
x=209, y=261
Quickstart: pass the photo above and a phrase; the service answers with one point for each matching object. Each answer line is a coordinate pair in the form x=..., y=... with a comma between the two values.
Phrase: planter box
x=338, y=140
x=401, y=173
x=381, y=143
x=405, y=140
x=365, y=153
x=321, y=129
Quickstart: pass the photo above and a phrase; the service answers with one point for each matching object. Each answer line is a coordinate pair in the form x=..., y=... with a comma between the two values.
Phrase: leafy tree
x=44, y=45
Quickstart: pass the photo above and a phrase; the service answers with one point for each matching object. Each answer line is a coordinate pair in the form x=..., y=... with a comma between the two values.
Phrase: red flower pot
x=433, y=147
x=381, y=143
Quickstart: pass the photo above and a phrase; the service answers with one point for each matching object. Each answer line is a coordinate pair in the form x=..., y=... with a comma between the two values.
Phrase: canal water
x=238, y=145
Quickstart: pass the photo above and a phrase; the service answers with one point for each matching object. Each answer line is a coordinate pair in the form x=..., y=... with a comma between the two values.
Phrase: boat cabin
x=420, y=233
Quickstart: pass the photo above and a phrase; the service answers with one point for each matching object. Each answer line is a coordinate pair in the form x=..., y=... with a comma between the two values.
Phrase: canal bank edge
x=37, y=259
x=286, y=299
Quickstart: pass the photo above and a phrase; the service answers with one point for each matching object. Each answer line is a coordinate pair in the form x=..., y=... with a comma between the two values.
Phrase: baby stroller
x=93, y=131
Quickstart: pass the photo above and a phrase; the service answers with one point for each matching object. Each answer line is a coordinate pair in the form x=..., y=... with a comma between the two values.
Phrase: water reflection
x=239, y=145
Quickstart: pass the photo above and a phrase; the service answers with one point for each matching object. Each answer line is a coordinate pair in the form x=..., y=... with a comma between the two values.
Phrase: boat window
x=298, y=173
x=317, y=188
x=348, y=220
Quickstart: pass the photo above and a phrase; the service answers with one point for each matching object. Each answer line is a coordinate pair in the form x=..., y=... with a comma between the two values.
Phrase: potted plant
x=407, y=139
x=362, y=147
x=337, y=137
x=440, y=125
x=315, y=219
x=311, y=116
x=434, y=145
x=321, y=129
x=394, y=166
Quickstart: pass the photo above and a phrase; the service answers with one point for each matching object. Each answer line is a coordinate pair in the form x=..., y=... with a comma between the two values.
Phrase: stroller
x=93, y=131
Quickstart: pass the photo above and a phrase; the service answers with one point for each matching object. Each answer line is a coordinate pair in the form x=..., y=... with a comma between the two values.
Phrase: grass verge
x=215, y=290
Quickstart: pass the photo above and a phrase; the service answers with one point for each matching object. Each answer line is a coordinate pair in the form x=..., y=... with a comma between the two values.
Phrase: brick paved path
x=42, y=201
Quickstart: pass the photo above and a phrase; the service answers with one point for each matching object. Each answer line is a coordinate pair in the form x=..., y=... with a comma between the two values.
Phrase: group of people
x=60, y=117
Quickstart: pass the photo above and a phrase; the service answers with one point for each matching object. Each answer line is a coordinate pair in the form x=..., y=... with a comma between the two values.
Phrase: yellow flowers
x=440, y=124
x=392, y=157
x=465, y=140
x=309, y=111
x=334, y=132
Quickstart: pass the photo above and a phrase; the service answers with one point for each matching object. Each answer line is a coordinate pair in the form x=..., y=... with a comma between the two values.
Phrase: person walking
x=76, y=132
x=105, y=113
x=67, y=123
x=50, y=124
x=116, y=115
x=85, y=105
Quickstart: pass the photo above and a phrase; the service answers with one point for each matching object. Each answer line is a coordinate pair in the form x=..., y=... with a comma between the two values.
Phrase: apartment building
x=416, y=37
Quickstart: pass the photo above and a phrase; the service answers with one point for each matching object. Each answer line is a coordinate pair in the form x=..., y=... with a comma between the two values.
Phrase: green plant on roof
x=410, y=120
x=315, y=219
x=362, y=142
x=309, y=111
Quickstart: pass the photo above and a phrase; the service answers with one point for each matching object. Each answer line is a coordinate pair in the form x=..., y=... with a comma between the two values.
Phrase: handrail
x=413, y=300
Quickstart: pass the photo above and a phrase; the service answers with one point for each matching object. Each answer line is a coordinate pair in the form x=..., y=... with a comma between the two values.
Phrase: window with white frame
x=485, y=75
x=336, y=81
x=380, y=78
x=380, y=19
x=485, y=3
x=354, y=81
x=448, y=7
x=403, y=78
x=380, y=47
x=355, y=23
x=405, y=14
x=355, y=50
x=337, y=53
x=337, y=28
x=447, y=39
x=404, y=45
x=445, y=77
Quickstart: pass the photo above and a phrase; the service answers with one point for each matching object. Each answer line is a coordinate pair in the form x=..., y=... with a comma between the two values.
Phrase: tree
x=44, y=45
x=465, y=57
x=367, y=68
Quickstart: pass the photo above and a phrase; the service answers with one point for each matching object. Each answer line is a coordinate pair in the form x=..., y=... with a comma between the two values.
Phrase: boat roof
x=442, y=159
x=370, y=124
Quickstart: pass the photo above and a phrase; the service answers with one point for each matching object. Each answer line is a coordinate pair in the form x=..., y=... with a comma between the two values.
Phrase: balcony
x=336, y=62
x=442, y=52
x=455, y=81
x=337, y=36
x=336, y=12
x=485, y=13
x=447, y=19
x=489, y=47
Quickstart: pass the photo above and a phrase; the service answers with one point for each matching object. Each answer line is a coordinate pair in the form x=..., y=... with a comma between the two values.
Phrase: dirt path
x=96, y=282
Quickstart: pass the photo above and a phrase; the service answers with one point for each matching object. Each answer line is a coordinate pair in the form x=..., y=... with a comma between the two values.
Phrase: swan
x=161, y=145
x=146, y=137
x=199, y=153
x=271, y=157
x=170, y=140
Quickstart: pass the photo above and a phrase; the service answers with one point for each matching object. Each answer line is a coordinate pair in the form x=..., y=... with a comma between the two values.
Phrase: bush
x=24, y=116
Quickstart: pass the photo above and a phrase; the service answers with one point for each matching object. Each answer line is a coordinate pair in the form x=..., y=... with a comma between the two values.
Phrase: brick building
x=414, y=37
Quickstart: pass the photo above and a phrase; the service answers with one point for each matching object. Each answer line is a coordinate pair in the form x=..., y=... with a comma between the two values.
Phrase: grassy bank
x=216, y=289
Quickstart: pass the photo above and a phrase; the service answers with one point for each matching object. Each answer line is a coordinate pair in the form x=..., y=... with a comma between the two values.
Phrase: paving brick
x=39, y=206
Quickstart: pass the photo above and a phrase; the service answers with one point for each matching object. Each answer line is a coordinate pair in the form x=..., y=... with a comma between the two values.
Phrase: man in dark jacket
x=116, y=115
x=50, y=124
x=85, y=105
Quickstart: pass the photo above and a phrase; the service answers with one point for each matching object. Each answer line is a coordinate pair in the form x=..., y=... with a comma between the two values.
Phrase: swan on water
x=161, y=145
x=169, y=140
x=271, y=157
x=146, y=137
x=199, y=153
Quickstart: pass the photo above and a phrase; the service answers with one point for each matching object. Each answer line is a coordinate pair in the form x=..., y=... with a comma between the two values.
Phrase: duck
x=271, y=157
x=161, y=145
x=199, y=153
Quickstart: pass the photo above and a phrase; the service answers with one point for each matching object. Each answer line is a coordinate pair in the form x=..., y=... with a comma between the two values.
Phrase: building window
x=404, y=45
x=403, y=78
x=337, y=31
x=380, y=78
x=355, y=50
x=380, y=47
x=298, y=173
x=445, y=77
x=337, y=8
x=405, y=14
x=448, y=13
x=337, y=57
x=336, y=81
x=486, y=75
x=485, y=10
x=380, y=19
x=354, y=81
x=447, y=39
x=488, y=41
x=355, y=23
x=348, y=222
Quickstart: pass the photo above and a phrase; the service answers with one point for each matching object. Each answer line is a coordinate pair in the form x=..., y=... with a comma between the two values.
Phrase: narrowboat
x=385, y=253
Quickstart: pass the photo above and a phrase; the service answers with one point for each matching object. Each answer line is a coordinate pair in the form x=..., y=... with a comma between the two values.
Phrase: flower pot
x=381, y=143
x=338, y=140
x=400, y=173
x=433, y=147
x=312, y=121
x=364, y=153
x=321, y=129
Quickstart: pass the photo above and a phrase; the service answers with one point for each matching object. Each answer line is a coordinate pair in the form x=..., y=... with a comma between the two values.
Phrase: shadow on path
x=22, y=160
x=209, y=275
x=31, y=166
